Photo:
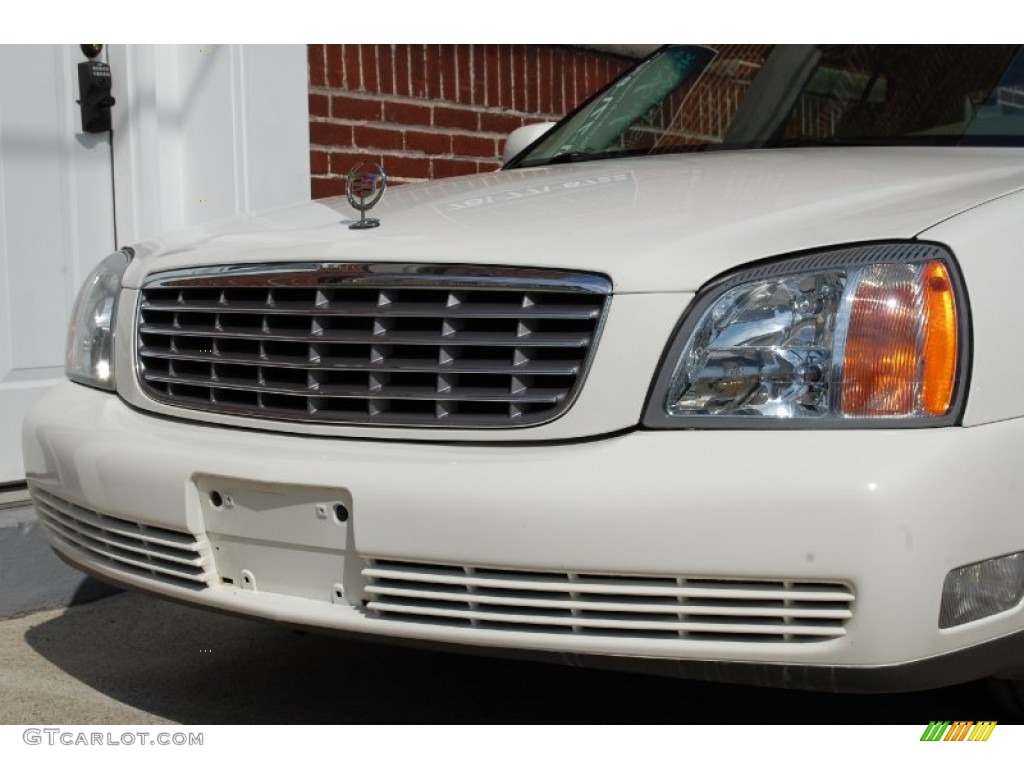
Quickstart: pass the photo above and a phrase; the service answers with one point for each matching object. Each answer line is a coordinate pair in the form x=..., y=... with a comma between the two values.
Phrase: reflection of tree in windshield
x=697, y=98
x=599, y=126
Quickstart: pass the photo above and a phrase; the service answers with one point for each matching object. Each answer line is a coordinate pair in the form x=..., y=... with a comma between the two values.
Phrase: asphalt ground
x=133, y=659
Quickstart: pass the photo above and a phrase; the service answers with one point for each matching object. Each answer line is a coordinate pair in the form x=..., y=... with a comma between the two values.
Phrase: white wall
x=56, y=223
x=200, y=132
x=205, y=131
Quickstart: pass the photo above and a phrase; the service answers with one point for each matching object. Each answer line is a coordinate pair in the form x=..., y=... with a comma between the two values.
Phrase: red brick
x=555, y=81
x=319, y=105
x=386, y=62
x=505, y=53
x=433, y=72
x=343, y=162
x=443, y=167
x=353, y=76
x=606, y=71
x=449, y=88
x=365, y=136
x=349, y=108
x=533, y=74
x=406, y=114
x=418, y=70
x=402, y=70
x=463, y=62
x=318, y=162
x=572, y=89
x=544, y=80
x=407, y=167
x=522, y=85
x=317, y=71
x=492, y=57
x=508, y=76
x=455, y=117
x=330, y=134
x=561, y=84
x=476, y=63
x=335, y=70
x=326, y=187
x=430, y=143
x=542, y=83
x=369, y=57
x=525, y=84
x=474, y=146
x=499, y=122
x=486, y=166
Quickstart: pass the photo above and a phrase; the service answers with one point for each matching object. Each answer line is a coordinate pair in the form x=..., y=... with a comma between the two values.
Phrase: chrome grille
x=160, y=553
x=609, y=605
x=370, y=344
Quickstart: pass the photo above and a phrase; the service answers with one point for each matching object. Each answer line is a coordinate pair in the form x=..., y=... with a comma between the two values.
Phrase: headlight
x=868, y=335
x=90, y=351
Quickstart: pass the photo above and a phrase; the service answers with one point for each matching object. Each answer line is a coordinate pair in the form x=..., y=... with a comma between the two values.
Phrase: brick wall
x=429, y=111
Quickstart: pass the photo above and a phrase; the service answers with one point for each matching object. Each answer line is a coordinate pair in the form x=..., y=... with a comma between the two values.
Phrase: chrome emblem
x=364, y=189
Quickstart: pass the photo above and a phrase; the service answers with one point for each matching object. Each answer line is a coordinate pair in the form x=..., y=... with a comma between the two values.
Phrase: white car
x=716, y=378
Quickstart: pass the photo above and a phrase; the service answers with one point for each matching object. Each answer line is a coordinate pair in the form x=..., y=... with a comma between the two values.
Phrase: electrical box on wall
x=94, y=96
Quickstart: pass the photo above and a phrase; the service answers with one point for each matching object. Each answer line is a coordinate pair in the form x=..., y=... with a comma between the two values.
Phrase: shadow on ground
x=196, y=667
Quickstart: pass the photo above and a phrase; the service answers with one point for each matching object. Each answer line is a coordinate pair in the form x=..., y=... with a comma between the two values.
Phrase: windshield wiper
x=563, y=158
x=573, y=157
x=583, y=156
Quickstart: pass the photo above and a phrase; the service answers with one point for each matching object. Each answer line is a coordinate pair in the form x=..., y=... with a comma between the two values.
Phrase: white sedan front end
x=734, y=415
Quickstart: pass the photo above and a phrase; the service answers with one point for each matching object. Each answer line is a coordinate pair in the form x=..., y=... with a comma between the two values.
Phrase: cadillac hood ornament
x=365, y=188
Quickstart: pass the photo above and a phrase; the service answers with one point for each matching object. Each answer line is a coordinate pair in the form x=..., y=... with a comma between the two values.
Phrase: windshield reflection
x=689, y=98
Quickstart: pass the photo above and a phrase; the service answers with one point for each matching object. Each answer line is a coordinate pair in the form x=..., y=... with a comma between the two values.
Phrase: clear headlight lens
x=866, y=333
x=90, y=349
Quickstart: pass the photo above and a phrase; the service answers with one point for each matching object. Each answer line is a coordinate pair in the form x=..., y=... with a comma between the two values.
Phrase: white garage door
x=56, y=223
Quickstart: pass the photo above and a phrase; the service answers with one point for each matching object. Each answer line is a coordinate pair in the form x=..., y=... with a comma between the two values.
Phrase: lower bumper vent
x=142, y=550
x=607, y=605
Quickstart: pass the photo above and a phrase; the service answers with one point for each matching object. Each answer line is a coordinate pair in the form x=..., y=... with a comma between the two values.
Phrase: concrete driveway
x=133, y=659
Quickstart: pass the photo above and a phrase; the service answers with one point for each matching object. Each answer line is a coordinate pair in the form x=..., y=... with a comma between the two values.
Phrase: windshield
x=690, y=98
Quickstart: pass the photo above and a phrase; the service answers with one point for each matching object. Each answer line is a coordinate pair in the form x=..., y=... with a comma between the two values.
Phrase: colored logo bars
x=960, y=730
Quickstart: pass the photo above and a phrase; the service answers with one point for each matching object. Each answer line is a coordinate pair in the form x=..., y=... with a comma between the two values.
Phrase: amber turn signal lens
x=900, y=356
x=939, y=339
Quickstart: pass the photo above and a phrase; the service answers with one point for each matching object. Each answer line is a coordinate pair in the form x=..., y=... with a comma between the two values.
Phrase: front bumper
x=885, y=513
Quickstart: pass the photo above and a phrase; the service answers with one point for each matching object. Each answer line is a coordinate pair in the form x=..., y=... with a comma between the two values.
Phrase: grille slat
x=333, y=336
x=364, y=392
x=669, y=609
x=168, y=555
x=145, y=534
x=402, y=345
x=392, y=366
x=618, y=624
x=526, y=581
x=117, y=544
x=738, y=610
x=552, y=312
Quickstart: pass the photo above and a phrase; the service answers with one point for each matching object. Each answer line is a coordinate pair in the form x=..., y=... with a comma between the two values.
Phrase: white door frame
x=207, y=131
x=200, y=132
x=56, y=224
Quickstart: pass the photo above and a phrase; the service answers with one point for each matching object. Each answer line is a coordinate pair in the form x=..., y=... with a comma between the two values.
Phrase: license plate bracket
x=279, y=538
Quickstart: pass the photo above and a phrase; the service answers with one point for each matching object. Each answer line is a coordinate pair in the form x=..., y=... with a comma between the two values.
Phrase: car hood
x=653, y=224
